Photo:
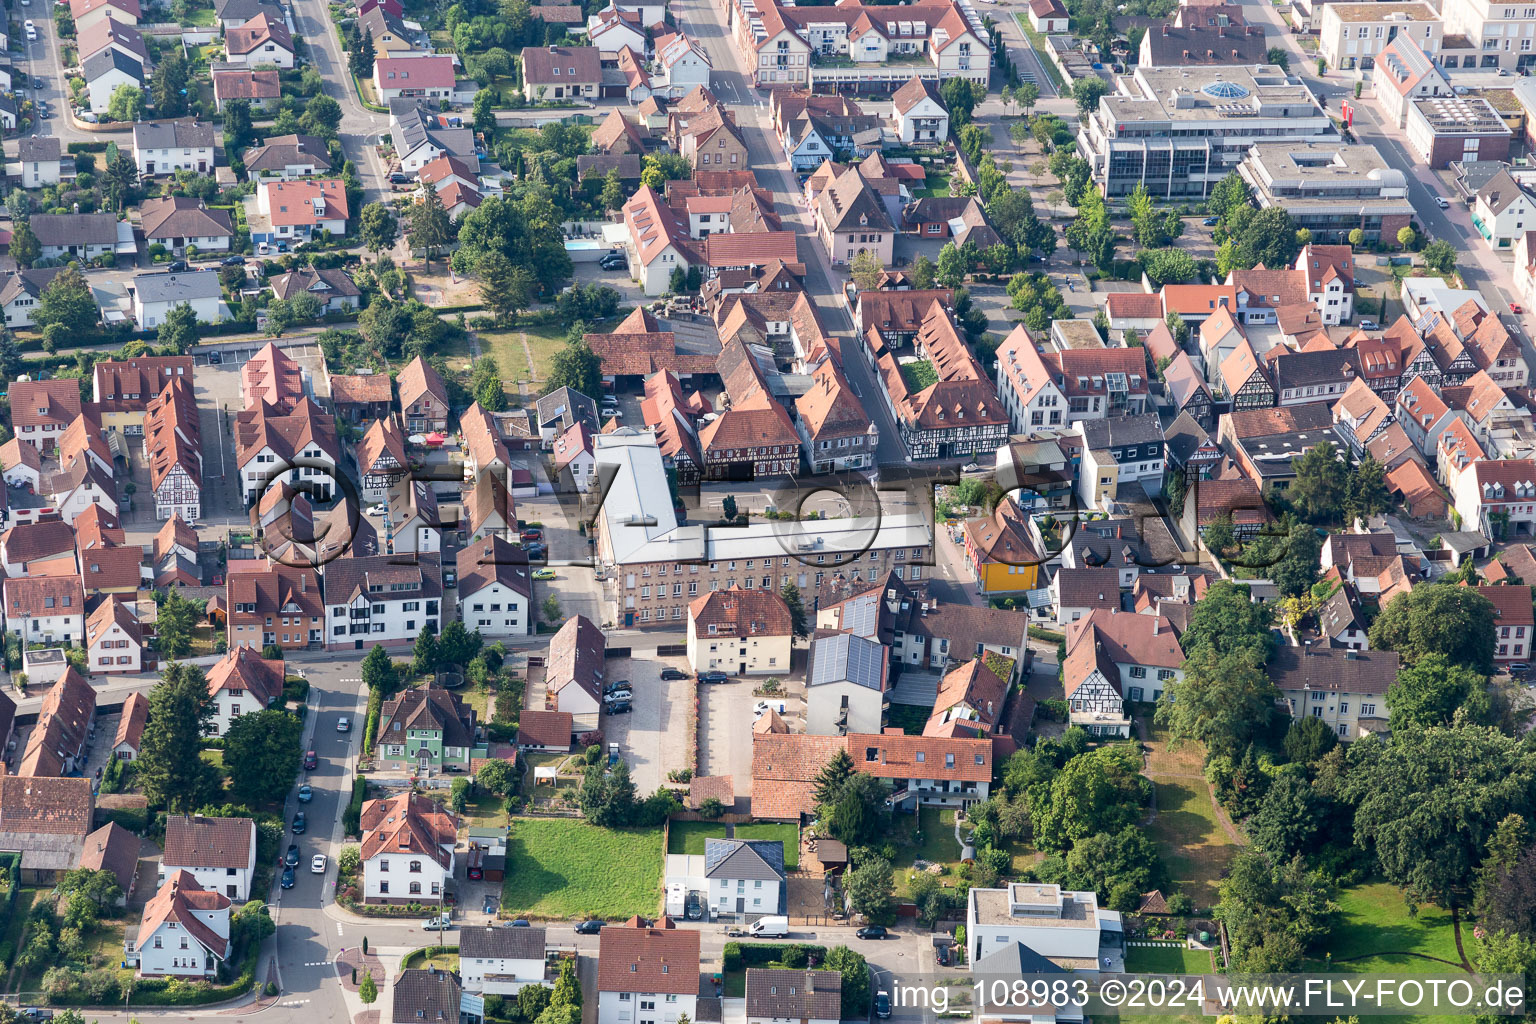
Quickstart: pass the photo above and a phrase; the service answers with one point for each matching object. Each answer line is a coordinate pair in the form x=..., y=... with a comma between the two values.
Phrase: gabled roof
x=46, y=806
x=419, y=380
x=173, y=433
x=578, y=65
x=638, y=958
x=429, y=709
x=361, y=389
x=63, y=724
x=260, y=30
x=246, y=84
x=78, y=9
x=848, y=203
x=40, y=403
x=285, y=433
x=243, y=668
x=576, y=657
x=913, y=92
x=193, y=841
x=761, y=859
x=740, y=613
x=408, y=823
x=179, y=901
x=283, y=151
x=113, y=848
x=130, y=728
x=384, y=437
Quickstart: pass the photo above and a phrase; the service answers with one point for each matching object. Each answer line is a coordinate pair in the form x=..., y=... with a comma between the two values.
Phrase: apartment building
x=1503, y=34
x=1352, y=35
x=857, y=48
x=1346, y=688
x=1405, y=71
x=378, y=601
x=1180, y=130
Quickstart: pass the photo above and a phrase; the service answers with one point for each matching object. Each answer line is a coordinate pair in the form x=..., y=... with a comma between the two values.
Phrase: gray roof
x=1332, y=669
x=196, y=284
x=287, y=150
x=75, y=228
x=416, y=127
x=1118, y=430
x=844, y=657
x=37, y=148
x=565, y=407
x=245, y=10
x=1184, y=438
x=744, y=858
x=99, y=63
x=430, y=996
x=1013, y=960
x=794, y=995
x=28, y=282
x=1500, y=191
x=489, y=942
x=173, y=135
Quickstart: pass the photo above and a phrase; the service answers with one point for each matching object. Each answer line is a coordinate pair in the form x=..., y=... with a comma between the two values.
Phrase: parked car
x=693, y=909
x=232, y=261
x=376, y=510
x=1369, y=325
x=399, y=179
x=521, y=922
x=590, y=927
x=544, y=574
x=618, y=696
x=872, y=931
x=613, y=263
x=713, y=677
x=530, y=534
x=291, y=858
x=440, y=923
x=317, y=864
x=1519, y=667
x=300, y=823
x=941, y=956
x=673, y=673
x=1442, y=202
x=287, y=878
x=1211, y=222
x=311, y=761
x=177, y=267
x=765, y=706
x=882, y=1006
x=343, y=724
x=306, y=794
x=262, y=248
x=1514, y=307
x=622, y=707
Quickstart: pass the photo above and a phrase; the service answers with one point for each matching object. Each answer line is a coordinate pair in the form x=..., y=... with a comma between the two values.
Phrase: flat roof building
x=1330, y=188
x=1351, y=35
x=1443, y=129
x=1181, y=130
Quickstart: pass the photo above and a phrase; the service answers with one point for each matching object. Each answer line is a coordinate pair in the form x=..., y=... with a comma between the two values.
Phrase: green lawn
x=789, y=835
x=562, y=867
x=200, y=18
x=1167, y=960
x=507, y=347
x=1374, y=919
x=1037, y=43
x=936, y=184
x=918, y=375
x=936, y=845
x=909, y=718
x=689, y=836
x=1193, y=843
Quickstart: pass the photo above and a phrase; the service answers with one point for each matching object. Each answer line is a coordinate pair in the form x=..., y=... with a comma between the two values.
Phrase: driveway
x=653, y=735
x=725, y=732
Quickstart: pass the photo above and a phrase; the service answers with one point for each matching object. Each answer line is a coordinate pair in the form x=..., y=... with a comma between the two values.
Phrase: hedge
x=426, y=953
x=10, y=865
x=75, y=148
x=371, y=724
x=1047, y=635
x=737, y=955
x=352, y=817
x=171, y=991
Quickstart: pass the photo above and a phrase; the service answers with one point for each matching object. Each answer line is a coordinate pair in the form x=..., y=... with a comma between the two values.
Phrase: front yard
x=566, y=868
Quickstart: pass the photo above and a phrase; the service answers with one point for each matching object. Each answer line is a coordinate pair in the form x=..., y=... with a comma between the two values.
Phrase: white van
x=770, y=927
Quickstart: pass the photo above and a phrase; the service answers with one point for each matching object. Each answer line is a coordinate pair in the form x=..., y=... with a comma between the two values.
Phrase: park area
x=566, y=868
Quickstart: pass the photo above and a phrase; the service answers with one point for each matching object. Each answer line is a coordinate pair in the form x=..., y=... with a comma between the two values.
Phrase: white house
x=499, y=961
x=263, y=40
x=242, y=683
x=219, y=853
x=574, y=668
x=575, y=462
x=185, y=930
x=921, y=116
x=658, y=240
x=271, y=444
x=684, y=65
x=746, y=876
x=407, y=850
x=1048, y=17
x=429, y=78
x=1503, y=211
x=495, y=597
x=412, y=522
x=45, y=609
x=164, y=147
x=21, y=465
x=299, y=210
x=803, y=997
x=740, y=632
x=381, y=461
x=376, y=600
x=845, y=685
x=38, y=156
x=154, y=295
x=114, y=641
x=647, y=975
x=79, y=486
x=1058, y=925
x=107, y=71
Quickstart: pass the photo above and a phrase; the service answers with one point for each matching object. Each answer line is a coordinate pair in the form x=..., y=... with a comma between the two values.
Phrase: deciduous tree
x=262, y=753
x=1456, y=622
x=1434, y=691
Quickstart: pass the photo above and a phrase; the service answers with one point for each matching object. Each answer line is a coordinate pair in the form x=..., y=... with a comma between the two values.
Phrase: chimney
x=810, y=981
x=1156, y=623
x=1165, y=31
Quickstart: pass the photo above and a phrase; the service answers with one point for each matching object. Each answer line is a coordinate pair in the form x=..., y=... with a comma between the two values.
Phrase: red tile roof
x=640, y=959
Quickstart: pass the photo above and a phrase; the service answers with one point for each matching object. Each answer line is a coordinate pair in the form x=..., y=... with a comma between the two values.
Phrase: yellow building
x=122, y=388
x=1002, y=556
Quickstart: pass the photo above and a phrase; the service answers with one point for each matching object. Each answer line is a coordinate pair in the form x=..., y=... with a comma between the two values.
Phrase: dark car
x=300, y=824
x=232, y=261
x=521, y=922
x=399, y=179
x=590, y=927
x=287, y=878
x=713, y=677
x=34, y=1013
x=177, y=267
x=622, y=707
x=1211, y=222
x=291, y=858
x=941, y=956
x=673, y=673
x=882, y=1005
x=311, y=761
x=872, y=931
x=613, y=263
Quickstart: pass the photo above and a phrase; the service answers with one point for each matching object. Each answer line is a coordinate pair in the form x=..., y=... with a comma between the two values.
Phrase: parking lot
x=725, y=729
x=652, y=735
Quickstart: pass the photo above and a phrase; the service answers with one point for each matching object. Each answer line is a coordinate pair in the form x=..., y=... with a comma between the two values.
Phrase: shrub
x=351, y=818
x=730, y=957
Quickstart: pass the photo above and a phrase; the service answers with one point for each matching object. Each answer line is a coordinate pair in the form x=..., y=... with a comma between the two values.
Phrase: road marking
x=319, y=963
x=338, y=928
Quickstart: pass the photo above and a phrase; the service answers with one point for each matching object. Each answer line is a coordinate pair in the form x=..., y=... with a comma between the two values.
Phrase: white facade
x=115, y=651
x=178, y=495
x=22, y=475
x=37, y=173
x=833, y=709
x=743, y=896
x=1503, y=33
x=265, y=466
x=171, y=951
x=393, y=618
x=228, y=705
x=495, y=610
x=926, y=121
x=150, y=315
x=499, y=975
x=409, y=877
x=152, y=160
x=47, y=629
x=1048, y=920
x=754, y=655
x=232, y=882
x=102, y=88
x=71, y=503
x=655, y=275
x=1502, y=229
x=645, y=1007
x=1351, y=35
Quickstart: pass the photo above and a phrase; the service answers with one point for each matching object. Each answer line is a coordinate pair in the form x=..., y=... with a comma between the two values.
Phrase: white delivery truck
x=770, y=927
